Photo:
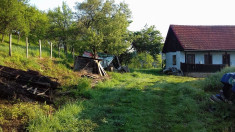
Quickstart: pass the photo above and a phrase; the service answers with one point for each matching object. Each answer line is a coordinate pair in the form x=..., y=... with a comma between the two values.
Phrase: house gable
x=200, y=38
x=172, y=44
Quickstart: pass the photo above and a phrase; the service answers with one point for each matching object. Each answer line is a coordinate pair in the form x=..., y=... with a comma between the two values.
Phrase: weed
x=212, y=83
x=65, y=119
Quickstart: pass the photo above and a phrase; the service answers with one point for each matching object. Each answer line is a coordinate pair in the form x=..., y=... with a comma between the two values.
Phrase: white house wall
x=199, y=58
x=217, y=57
x=232, y=58
x=179, y=59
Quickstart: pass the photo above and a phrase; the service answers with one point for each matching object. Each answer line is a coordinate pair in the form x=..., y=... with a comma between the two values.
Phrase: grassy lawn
x=143, y=100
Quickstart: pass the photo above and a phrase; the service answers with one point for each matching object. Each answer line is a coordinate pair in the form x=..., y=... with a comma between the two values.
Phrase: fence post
x=10, y=42
x=51, y=49
x=40, y=49
x=27, y=48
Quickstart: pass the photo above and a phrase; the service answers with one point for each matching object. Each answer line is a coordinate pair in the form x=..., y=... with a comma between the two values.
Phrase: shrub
x=82, y=89
x=66, y=120
x=143, y=60
x=22, y=112
x=212, y=83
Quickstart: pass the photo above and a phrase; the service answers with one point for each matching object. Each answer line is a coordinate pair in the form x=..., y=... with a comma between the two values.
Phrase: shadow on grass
x=157, y=72
x=159, y=107
x=156, y=106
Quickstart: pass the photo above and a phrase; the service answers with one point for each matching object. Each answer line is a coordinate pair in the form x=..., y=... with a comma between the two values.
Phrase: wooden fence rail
x=201, y=67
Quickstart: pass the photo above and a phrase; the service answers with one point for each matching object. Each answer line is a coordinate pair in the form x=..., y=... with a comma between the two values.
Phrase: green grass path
x=145, y=101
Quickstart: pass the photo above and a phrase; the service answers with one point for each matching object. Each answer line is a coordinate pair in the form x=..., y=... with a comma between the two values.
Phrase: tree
x=142, y=60
x=11, y=16
x=103, y=26
x=148, y=40
x=39, y=25
x=61, y=21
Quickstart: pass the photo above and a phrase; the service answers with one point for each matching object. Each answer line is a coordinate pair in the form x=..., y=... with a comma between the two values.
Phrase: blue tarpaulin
x=229, y=78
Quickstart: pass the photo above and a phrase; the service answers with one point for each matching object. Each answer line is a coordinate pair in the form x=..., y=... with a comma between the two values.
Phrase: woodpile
x=26, y=85
x=89, y=64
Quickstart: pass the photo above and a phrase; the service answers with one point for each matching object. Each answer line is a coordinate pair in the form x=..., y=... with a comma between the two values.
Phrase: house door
x=226, y=59
x=190, y=58
x=207, y=59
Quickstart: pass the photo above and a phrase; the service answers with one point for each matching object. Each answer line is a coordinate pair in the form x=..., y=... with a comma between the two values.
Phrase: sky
x=162, y=13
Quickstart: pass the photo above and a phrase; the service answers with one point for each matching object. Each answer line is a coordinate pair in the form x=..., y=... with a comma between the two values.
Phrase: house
x=199, y=48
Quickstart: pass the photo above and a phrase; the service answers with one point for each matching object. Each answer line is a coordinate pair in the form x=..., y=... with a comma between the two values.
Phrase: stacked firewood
x=26, y=84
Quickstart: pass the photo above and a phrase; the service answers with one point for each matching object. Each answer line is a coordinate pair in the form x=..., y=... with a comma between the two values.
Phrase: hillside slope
x=60, y=68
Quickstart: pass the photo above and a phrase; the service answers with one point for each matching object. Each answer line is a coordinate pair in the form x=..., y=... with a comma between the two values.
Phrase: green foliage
x=60, y=20
x=103, y=26
x=20, y=18
x=38, y=23
x=159, y=60
x=148, y=40
x=82, y=89
x=212, y=83
x=65, y=119
x=147, y=100
x=22, y=112
x=143, y=60
x=57, y=67
x=11, y=15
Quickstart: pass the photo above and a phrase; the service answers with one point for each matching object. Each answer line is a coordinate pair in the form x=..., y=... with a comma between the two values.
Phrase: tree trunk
x=40, y=49
x=118, y=61
x=59, y=49
x=51, y=49
x=27, y=48
x=94, y=54
x=18, y=41
x=3, y=37
x=10, y=44
x=65, y=49
x=73, y=52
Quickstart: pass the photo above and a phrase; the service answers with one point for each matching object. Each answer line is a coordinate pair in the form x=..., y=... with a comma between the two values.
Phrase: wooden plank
x=10, y=44
x=40, y=49
x=27, y=48
x=51, y=49
x=35, y=90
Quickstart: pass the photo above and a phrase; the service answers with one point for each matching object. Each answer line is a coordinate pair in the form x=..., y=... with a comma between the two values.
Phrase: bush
x=65, y=119
x=143, y=60
x=82, y=89
x=212, y=83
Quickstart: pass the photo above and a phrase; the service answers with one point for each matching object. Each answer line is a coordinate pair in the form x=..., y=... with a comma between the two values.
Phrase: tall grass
x=212, y=83
x=20, y=113
x=66, y=119
x=60, y=68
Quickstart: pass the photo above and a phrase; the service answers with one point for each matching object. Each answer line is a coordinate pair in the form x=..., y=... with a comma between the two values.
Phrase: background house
x=200, y=48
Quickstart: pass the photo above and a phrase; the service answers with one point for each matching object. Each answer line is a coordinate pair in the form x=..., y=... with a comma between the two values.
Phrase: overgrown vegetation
x=212, y=83
x=143, y=60
x=144, y=100
x=16, y=115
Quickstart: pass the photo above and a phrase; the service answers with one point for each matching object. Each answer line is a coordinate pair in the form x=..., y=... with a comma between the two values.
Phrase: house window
x=174, y=59
x=190, y=59
x=208, y=59
x=226, y=59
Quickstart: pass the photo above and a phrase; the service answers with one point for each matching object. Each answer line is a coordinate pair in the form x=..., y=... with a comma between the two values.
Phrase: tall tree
x=39, y=25
x=103, y=26
x=11, y=15
x=148, y=40
x=60, y=20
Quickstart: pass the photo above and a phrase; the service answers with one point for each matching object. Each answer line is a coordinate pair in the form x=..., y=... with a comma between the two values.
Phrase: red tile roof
x=205, y=37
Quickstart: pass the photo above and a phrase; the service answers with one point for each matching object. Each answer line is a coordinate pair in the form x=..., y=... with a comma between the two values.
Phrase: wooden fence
x=201, y=67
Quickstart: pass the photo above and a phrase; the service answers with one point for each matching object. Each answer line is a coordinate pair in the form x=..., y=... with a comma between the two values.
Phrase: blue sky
x=162, y=13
